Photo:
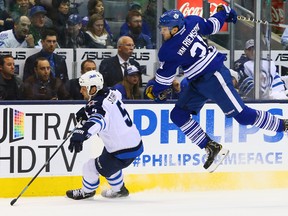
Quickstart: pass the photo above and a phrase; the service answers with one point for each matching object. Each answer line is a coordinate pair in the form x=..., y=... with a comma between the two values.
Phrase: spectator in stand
x=19, y=36
x=73, y=86
x=84, y=23
x=59, y=17
x=42, y=85
x=130, y=85
x=145, y=28
x=134, y=22
x=75, y=37
x=2, y=4
x=57, y=62
x=9, y=82
x=96, y=36
x=272, y=86
x=113, y=68
x=20, y=8
x=97, y=7
x=38, y=23
x=284, y=39
x=150, y=16
x=6, y=21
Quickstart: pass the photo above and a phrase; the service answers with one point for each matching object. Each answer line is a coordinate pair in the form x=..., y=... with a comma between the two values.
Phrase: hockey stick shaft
x=261, y=22
x=46, y=163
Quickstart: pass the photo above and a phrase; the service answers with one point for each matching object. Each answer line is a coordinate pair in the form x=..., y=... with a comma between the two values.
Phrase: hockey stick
x=261, y=22
x=46, y=163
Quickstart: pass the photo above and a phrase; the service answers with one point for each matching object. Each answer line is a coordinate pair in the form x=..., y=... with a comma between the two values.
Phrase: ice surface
x=158, y=203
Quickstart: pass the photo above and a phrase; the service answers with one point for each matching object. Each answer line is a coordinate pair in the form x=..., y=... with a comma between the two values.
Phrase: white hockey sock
x=116, y=181
x=90, y=179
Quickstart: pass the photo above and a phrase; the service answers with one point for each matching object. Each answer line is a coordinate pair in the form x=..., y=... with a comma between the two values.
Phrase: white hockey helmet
x=91, y=78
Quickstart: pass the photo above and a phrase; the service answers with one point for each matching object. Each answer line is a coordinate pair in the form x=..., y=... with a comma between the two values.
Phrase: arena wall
x=31, y=132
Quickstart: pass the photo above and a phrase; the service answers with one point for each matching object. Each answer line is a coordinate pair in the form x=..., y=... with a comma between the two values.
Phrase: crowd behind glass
x=47, y=25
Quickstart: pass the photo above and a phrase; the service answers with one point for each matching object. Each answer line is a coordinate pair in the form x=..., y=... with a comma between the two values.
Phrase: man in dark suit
x=73, y=85
x=57, y=62
x=113, y=68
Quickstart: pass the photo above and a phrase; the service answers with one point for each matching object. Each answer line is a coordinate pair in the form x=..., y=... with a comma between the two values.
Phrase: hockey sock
x=90, y=180
x=116, y=181
x=260, y=119
x=267, y=121
x=191, y=128
x=195, y=133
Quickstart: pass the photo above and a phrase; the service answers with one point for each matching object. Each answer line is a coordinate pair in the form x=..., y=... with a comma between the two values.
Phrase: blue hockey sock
x=260, y=119
x=189, y=127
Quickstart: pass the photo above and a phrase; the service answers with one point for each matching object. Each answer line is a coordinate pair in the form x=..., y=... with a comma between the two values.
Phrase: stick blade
x=13, y=201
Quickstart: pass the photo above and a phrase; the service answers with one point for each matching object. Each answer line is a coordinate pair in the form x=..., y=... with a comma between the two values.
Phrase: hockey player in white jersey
x=207, y=76
x=105, y=115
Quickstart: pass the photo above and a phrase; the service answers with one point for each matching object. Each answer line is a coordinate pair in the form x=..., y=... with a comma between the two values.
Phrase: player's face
x=83, y=91
x=165, y=32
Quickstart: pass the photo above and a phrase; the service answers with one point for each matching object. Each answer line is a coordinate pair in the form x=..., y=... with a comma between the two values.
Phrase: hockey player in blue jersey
x=207, y=76
x=105, y=115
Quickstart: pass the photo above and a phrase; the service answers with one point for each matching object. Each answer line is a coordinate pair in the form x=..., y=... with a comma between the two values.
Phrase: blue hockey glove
x=77, y=139
x=231, y=15
x=81, y=116
x=160, y=97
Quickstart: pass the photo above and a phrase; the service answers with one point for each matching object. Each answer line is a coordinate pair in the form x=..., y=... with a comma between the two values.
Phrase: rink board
x=57, y=186
x=31, y=133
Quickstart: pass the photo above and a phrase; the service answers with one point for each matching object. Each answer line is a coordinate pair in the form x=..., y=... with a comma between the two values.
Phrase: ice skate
x=79, y=194
x=109, y=193
x=215, y=155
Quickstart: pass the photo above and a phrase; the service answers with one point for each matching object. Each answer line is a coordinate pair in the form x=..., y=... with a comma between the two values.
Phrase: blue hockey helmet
x=172, y=18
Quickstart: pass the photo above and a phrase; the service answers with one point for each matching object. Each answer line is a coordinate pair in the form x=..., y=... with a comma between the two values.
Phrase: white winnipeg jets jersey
x=111, y=121
x=8, y=40
x=269, y=77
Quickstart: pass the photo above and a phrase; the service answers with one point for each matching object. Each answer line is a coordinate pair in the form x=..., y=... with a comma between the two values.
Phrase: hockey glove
x=81, y=116
x=77, y=139
x=161, y=97
x=231, y=15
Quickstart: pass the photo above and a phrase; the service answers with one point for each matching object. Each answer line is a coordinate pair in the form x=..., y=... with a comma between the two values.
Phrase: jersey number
x=196, y=46
x=124, y=114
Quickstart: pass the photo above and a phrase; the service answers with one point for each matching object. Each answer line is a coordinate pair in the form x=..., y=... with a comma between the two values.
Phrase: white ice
x=158, y=203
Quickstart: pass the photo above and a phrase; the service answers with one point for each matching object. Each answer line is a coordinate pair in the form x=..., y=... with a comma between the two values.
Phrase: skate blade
x=220, y=157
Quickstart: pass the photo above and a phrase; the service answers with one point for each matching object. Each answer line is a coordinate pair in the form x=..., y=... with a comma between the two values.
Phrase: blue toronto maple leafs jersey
x=188, y=49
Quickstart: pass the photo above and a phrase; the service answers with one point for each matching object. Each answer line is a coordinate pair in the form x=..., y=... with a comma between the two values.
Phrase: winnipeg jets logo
x=91, y=103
